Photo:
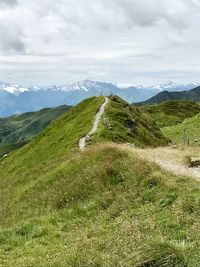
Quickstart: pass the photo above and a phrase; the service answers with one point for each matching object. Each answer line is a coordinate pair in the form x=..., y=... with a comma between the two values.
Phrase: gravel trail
x=170, y=159
x=83, y=140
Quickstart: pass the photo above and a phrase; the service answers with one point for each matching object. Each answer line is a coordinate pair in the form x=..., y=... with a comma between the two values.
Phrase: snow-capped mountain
x=13, y=89
x=16, y=99
x=168, y=86
x=174, y=87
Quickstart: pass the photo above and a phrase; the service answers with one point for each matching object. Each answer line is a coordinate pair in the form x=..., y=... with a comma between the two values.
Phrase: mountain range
x=15, y=99
x=192, y=95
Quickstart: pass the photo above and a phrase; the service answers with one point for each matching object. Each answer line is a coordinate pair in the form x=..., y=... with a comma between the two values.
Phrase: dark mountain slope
x=193, y=95
x=19, y=129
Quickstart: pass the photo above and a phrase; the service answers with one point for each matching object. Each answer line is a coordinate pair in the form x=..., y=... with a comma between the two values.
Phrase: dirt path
x=82, y=141
x=171, y=159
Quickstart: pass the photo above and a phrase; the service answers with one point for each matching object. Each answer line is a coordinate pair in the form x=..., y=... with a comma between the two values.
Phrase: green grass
x=5, y=149
x=171, y=113
x=124, y=123
x=53, y=144
x=103, y=207
x=19, y=129
x=62, y=136
x=192, y=126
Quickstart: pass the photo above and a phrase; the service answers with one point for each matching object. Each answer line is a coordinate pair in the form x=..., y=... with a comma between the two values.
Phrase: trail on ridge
x=173, y=160
x=82, y=141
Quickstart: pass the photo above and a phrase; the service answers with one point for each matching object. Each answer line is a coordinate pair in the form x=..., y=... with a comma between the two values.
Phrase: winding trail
x=82, y=141
x=170, y=159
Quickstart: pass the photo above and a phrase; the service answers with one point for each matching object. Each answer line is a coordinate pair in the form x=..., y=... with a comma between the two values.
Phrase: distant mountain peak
x=172, y=86
x=13, y=89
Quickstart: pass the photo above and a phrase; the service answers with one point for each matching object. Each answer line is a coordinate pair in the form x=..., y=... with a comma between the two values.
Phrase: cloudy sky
x=127, y=41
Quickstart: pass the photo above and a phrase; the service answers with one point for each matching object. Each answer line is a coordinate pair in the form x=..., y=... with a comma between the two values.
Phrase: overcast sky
x=127, y=41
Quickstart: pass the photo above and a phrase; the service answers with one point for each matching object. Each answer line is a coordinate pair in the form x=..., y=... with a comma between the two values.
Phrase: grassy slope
x=192, y=126
x=5, y=149
x=128, y=125
x=61, y=137
x=171, y=112
x=17, y=130
x=103, y=207
x=53, y=144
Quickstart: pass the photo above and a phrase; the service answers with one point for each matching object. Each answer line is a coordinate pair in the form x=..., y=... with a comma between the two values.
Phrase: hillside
x=128, y=124
x=17, y=130
x=192, y=127
x=171, y=112
x=192, y=95
x=101, y=207
x=123, y=123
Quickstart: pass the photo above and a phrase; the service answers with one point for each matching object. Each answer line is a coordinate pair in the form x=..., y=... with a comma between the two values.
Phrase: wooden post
x=188, y=141
x=185, y=136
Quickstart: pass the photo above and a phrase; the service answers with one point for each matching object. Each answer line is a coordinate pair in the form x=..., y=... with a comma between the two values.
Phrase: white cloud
x=116, y=40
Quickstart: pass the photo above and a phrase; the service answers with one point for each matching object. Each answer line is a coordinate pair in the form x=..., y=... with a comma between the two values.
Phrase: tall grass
x=102, y=207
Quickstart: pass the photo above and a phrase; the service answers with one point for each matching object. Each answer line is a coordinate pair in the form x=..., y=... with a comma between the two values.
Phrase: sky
x=125, y=41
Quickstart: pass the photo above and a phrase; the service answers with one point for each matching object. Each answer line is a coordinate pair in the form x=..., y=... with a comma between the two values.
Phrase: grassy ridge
x=103, y=207
x=19, y=129
x=171, y=112
x=60, y=140
x=52, y=145
x=123, y=123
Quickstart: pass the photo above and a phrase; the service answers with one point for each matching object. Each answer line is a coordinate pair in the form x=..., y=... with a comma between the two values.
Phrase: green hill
x=171, y=112
x=17, y=130
x=192, y=95
x=123, y=123
x=192, y=127
x=101, y=207
x=63, y=134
